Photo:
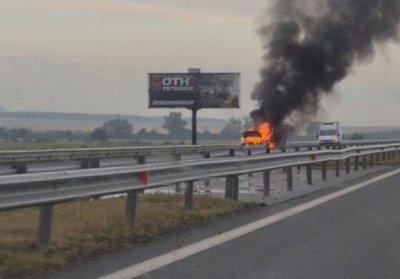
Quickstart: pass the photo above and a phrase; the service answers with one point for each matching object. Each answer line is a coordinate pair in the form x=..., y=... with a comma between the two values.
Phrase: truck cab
x=330, y=133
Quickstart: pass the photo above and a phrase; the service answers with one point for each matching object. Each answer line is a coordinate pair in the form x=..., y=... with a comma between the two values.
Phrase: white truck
x=330, y=133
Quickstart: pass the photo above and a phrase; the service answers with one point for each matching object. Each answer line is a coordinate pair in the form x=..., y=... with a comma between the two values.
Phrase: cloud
x=186, y=11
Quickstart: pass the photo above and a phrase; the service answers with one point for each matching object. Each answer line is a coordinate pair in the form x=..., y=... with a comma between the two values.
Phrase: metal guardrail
x=46, y=189
x=88, y=153
x=22, y=161
x=91, y=157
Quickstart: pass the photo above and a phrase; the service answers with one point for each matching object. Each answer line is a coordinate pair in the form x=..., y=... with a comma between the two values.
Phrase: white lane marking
x=184, y=252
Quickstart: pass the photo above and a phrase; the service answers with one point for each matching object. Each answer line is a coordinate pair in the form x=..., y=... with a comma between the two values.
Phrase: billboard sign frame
x=194, y=90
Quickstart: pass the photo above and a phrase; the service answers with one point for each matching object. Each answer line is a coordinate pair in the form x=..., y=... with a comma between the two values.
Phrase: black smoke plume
x=310, y=45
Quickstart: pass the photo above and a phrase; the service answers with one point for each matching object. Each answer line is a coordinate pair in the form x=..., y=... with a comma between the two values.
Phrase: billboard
x=188, y=90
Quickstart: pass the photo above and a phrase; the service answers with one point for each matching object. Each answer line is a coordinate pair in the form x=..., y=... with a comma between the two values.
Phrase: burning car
x=258, y=135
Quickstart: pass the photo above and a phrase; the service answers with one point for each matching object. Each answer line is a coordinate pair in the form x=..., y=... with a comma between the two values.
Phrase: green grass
x=84, y=229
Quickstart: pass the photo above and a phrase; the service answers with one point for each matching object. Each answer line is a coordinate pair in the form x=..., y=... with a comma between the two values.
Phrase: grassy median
x=84, y=229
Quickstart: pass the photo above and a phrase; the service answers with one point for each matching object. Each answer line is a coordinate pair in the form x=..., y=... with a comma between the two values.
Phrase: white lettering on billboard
x=177, y=84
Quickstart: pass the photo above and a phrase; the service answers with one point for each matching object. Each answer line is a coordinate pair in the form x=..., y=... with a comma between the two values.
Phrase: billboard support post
x=195, y=107
x=194, y=125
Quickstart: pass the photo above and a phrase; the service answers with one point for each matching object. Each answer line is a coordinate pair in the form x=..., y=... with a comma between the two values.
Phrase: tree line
x=121, y=129
x=174, y=124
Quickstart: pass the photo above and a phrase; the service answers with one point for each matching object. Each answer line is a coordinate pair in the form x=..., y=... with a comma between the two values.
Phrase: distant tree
x=142, y=133
x=207, y=135
x=175, y=125
x=3, y=132
x=19, y=134
x=68, y=134
x=153, y=134
x=118, y=128
x=98, y=134
x=233, y=129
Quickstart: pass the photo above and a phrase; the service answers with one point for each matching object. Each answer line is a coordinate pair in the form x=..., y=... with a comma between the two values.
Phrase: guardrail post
x=267, y=183
x=371, y=160
x=356, y=163
x=141, y=160
x=364, y=162
x=178, y=188
x=44, y=230
x=283, y=150
x=84, y=163
x=95, y=163
x=289, y=175
x=131, y=199
x=267, y=150
x=189, y=195
x=377, y=157
x=249, y=152
x=324, y=169
x=232, y=187
x=21, y=168
x=235, y=187
x=177, y=157
x=231, y=152
x=309, y=174
x=337, y=168
x=207, y=155
x=228, y=187
x=347, y=165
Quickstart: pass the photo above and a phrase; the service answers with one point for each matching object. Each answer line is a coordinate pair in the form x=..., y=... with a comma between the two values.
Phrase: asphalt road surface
x=355, y=234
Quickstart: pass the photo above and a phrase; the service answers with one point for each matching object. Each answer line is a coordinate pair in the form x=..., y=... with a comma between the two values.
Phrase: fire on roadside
x=258, y=135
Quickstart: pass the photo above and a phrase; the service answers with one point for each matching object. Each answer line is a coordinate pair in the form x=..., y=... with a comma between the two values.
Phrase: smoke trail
x=310, y=45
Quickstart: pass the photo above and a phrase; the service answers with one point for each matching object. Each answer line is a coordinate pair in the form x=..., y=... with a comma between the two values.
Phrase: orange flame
x=264, y=135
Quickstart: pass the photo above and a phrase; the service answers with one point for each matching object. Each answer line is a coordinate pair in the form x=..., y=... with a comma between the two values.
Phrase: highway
x=350, y=233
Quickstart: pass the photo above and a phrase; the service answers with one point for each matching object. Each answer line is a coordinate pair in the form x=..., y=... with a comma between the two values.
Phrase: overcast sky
x=94, y=55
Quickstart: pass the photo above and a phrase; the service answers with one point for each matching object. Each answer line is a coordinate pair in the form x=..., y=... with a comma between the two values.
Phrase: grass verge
x=83, y=229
